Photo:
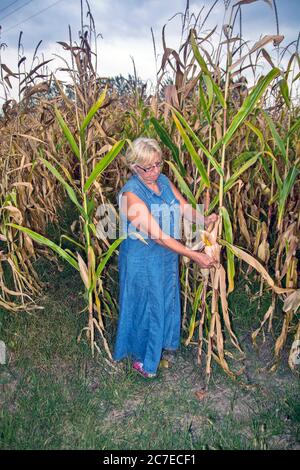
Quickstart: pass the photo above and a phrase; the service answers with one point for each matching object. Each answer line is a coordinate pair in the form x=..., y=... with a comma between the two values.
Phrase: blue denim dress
x=149, y=285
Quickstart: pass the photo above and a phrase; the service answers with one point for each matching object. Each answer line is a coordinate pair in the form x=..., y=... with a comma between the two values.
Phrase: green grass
x=55, y=396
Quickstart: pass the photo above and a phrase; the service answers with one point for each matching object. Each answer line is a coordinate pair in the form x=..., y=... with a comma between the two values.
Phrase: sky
x=124, y=28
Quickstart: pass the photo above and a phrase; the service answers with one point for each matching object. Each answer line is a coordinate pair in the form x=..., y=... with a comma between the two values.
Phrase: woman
x=149, y=300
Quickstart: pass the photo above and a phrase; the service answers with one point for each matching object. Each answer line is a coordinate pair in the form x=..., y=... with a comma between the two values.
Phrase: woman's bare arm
x=138, y=214
x=189, y=213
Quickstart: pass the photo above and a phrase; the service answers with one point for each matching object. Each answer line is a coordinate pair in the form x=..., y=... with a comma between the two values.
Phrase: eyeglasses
x=150, y=168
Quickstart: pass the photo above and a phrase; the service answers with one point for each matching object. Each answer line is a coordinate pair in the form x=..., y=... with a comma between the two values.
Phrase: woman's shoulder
x=130, y=185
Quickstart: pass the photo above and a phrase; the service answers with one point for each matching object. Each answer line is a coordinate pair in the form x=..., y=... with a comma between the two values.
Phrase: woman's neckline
x=152, y=190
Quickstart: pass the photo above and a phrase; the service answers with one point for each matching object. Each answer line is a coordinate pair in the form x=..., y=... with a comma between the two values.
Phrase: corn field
x=231, y=140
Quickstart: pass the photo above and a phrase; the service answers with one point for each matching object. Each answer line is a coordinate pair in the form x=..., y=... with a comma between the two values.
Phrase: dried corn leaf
x=292, y=301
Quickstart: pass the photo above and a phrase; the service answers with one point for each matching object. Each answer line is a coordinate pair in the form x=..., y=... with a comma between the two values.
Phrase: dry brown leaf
x=83, y=271
x=242, y=223
x=268, y=315
x=295, y=349
x=201, y=394
x=262, y=42
x=15, y=213
x=243, y=2
x=256, y=265
x=292, y=302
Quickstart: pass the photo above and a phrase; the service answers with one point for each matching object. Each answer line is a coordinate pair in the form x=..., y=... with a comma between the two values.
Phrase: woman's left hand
x=211, y=219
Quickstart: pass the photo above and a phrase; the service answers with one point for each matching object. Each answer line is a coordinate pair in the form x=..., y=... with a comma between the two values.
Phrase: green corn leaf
x=212, y=87
x=92, y=227
x=199, y=191
x=284, y=88
x=207, y=73
x=45, y=241
x=93, y=111
x=192, y=324
x=230, y=255
x=67, y=250
x=296, y=78
x=104, y=162
x=247, y=107
x=241, y=159
x=277, y=177
x=232, y=180
x=58, y=163
x=184, y=187
x=108, y=254
x=294, y=128
x=196, y=139
x=166, y=140
x=67, y=133
x=110, y=305
x=209, y=89
x=257, y=132
x=229, y=183
x=218, y=94
x=278, y=140
x=198, y=56
x=68, y=188
x=197, y=160
x=274, y=198
x=266, y=168
x=90, y=206
x=72, y=241
x=204, y=104
x=293, y=57
x=285, y=191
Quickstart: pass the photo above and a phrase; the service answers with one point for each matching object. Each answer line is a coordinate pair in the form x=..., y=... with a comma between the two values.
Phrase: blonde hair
x=142, y=152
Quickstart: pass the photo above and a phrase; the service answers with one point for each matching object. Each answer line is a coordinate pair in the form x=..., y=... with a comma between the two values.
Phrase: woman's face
x=150, y=172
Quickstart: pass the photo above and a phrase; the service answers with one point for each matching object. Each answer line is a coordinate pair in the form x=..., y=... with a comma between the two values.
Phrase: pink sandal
x=138, y=366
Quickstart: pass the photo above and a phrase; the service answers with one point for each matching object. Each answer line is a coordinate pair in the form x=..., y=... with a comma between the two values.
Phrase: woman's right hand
x=204, y=260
